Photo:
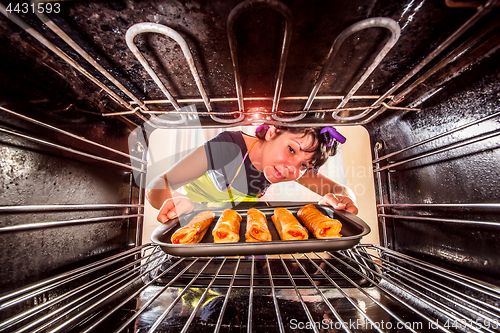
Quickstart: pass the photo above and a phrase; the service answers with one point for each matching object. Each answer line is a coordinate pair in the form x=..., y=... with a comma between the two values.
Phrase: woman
x=235, y=166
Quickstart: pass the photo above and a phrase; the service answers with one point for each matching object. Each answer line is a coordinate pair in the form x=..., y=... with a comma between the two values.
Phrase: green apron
x=204, y=190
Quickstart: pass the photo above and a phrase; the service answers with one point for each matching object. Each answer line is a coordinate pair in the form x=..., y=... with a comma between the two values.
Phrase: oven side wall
x=61, y=209
x=463, y=174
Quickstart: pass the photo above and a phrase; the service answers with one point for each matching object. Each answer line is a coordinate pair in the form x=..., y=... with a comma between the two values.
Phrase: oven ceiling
x=34, y=78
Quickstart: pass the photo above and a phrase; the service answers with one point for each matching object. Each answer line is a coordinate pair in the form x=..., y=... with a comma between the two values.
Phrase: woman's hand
x=334, y=194
x=177, y=205
x=161, y=192
x=339, y=202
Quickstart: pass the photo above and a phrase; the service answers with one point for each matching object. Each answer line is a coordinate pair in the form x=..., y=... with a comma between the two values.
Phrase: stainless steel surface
x=179, y=296
x=14, y=18
x=233, y=46
x=250, y=300
x=389, y=24
x=55, y=28
x=280, y=323
x=145, y=306
x=355, y=290
x=55, y=129
x=437, y=200
x=353, y=230
x=71, y=93
x=144, y=27
x=226, y=299
x=436, y=219
x=481, y=12
x=70, y=150
x=235, y=99
x=265, y=114
x=451, y=57
x=380, y=196
x=459, y=206
x=41, y=208
x=219, y=114
x=45, y=285
x=470, y=141
x=141, y=197
x=158, y=28
x=52, y=224
x=86, y=210
x=459, y=128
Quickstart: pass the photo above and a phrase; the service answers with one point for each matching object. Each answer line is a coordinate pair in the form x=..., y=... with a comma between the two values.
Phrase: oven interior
x=85, y=83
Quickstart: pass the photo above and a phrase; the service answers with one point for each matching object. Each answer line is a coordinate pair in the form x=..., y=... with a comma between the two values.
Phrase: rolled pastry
x=257, y=230
x=287, y=225
x=227, y=229
x=194, y=231
x=320, y=225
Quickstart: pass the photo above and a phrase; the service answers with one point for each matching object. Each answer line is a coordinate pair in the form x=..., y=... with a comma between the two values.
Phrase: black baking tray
x=353, y=229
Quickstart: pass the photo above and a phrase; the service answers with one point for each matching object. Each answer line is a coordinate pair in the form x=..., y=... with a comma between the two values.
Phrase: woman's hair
x=319, y=147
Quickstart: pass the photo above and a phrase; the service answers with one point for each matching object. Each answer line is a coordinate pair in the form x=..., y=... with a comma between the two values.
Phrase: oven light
x=258, y=116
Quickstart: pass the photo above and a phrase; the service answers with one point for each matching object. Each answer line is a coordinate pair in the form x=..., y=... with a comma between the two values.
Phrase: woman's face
x=283, y=157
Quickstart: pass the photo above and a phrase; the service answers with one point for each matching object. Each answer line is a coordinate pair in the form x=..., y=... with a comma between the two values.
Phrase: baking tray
x=353, y=229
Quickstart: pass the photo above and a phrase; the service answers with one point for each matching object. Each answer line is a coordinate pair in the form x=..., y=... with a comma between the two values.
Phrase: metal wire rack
x=366, y=289
x=392, y=165
x=364, y=114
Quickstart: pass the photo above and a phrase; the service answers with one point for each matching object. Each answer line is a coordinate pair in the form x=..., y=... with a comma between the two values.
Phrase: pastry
x=194, y=231
x=320, y=225
x=227, y=229
x=257, y=230
x=287, y=225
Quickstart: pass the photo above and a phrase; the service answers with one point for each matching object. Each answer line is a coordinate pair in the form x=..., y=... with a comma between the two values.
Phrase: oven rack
x=395, y=161
x=369, y=288
x=365, y=114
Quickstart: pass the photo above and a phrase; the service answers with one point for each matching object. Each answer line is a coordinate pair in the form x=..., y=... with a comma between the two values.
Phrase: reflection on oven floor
x=263, y=295
x=364, y=289
x=264, y=318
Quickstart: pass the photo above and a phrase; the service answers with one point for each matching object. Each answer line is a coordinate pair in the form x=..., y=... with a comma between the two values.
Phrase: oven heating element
x=366, y=289
x=368, y=113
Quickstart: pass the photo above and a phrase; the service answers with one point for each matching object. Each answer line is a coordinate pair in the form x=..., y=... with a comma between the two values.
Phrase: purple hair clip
x=261, y=127
x=334, y=135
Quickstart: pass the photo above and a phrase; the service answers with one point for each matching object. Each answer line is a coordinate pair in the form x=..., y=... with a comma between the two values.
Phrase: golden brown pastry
x=257, y=230
x=287, y=225
x=227, y=229
x=194, y=231
x=320, y=225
